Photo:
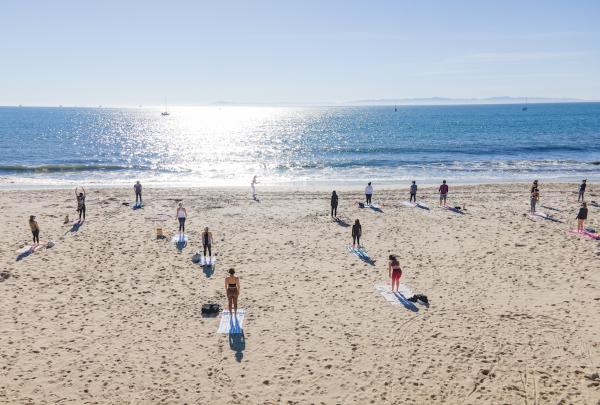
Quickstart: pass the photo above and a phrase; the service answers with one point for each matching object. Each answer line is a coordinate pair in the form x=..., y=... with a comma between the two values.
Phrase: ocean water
x=214, y=146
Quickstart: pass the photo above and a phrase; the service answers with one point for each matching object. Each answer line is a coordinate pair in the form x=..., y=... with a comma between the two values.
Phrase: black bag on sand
x=422, y=298
x=210, y=309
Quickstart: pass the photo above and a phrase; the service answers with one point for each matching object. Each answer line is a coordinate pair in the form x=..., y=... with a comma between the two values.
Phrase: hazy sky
x=136, y=52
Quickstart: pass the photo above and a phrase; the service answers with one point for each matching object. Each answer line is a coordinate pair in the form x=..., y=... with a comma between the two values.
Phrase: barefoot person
x=80, y=202
x=35, y=230
x=181, y=216
x=356, y=233
x=443, y=190
x=207, y=240
x=394, y=272
x=368, y=193
x=334, y=204
x=253, y=187
x=232, y=288
x=413, y=192
x=581, y=217
x=533, y=199
x=582, y=190
x=137, y=187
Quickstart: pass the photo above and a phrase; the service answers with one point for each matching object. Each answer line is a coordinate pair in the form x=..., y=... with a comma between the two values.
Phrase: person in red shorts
x=394, y=272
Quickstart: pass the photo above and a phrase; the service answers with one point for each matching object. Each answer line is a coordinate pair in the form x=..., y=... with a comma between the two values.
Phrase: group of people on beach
x=232, y=283
x=582, y=214
x=393, y=265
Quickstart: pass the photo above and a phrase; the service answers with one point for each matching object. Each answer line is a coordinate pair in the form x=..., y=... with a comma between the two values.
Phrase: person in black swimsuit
x=334, y=204
x=232, y=288
x=207, y=239
x=356, y=233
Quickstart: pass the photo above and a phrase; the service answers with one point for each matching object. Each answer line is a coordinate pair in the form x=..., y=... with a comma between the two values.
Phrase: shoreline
x=300, y=186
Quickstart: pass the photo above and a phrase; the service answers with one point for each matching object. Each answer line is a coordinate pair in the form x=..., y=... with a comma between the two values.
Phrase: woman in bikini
x=232, y=288
x=395, y=272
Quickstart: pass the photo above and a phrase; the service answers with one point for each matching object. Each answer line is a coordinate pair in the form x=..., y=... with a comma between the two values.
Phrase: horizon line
x=416, y=101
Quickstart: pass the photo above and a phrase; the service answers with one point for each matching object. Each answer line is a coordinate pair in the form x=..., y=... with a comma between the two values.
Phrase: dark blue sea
x=214, y=146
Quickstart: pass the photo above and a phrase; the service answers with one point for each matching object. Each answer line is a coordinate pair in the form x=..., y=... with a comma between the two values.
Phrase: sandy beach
x=112, y=315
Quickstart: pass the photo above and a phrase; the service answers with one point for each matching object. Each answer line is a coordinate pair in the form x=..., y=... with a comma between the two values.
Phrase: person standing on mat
x=137, y=187
x=232, y=288
x=181, y=216
x=413, y=192
x=534, y=198
x=368, y=193
x=207, y=240
x=443, y=190
x=581, y=217
x=356, y=233
x=395, y=272
x=80, y=203
x=334, y=204
x=582, y=186
x=35, y=230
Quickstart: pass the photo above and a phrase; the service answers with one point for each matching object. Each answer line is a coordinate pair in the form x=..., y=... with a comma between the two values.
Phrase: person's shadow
x=237, y=343
x=24, y=254
x=405, y=302
x=76, y=226
x=208, y=270
x=341, y=223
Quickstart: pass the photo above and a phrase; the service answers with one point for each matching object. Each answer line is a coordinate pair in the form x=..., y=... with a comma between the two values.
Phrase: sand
x=111, y=315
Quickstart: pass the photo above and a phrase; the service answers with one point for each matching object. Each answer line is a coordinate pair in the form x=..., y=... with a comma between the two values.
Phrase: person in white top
x=252, y=185
x=369, y=192
x=181, y=216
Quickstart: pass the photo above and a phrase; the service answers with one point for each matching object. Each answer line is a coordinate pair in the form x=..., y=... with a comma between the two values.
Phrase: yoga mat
x=232, y=324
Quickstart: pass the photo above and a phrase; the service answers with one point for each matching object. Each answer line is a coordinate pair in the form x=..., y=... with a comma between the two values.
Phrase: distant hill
x=456, y=101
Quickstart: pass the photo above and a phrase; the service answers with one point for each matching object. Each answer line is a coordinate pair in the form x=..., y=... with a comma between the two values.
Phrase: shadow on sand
x=237, y=343
x=76, y=226
x=24, y=254
x=406, y=303
x=208, y=270
x=341, y=222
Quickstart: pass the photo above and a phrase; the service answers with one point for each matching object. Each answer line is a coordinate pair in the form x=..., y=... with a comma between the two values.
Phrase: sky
x=196, y=52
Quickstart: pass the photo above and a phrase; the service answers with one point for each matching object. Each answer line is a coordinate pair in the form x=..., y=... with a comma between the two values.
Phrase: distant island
x=459, y=101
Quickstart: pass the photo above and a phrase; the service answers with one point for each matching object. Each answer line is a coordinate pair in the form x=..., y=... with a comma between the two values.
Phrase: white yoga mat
x=207, y=261
x=232, y=324
x=179, y=238
x=386, y=291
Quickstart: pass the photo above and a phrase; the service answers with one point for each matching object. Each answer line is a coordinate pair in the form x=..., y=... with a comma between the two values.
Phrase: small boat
x=525, y=106
x=166, y=111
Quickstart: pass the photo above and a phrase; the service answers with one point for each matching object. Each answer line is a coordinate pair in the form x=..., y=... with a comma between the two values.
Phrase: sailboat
x=395, y=108
x=166, y=111
x=525, y=107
